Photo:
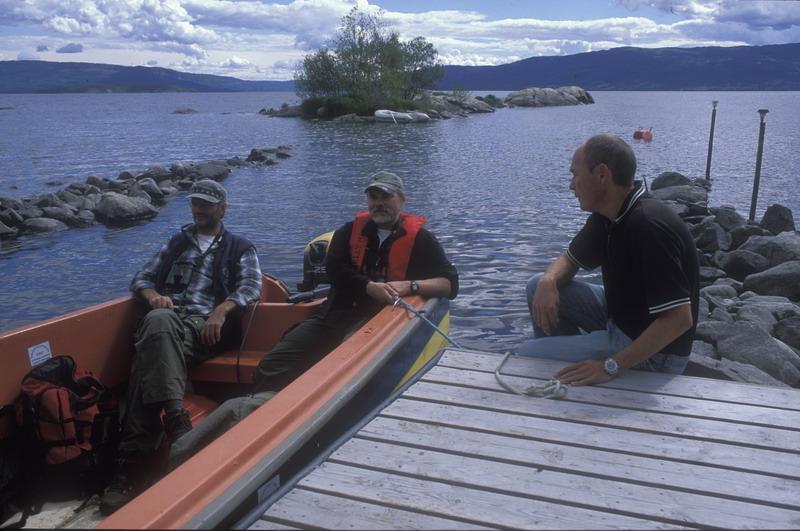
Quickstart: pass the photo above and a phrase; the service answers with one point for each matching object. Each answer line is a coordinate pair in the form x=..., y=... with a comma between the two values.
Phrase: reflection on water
x=494, y=187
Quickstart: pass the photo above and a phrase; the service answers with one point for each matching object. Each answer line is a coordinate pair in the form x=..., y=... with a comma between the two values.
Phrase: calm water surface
x=494, y=187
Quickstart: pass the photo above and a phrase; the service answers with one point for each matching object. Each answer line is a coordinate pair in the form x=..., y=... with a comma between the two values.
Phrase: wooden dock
x=644, y=451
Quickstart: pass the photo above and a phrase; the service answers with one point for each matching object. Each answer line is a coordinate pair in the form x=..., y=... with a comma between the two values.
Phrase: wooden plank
x=488, y=509
x=763, y=437
x=601, y=462
x=676, y=405
x=634, y=500
x=265, y=524
x=670, y=447
x=308, y=509
x=649, y=382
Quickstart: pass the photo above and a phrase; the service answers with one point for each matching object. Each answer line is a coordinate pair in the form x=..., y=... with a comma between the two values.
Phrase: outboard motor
x=314, y=254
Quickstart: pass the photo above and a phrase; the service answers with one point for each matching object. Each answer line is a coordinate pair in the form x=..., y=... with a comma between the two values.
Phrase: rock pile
x=127, y=200
x=749, y=320
x=548, y=97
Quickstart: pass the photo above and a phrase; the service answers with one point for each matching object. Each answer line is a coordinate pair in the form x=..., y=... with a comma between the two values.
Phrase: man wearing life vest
x=380, y=255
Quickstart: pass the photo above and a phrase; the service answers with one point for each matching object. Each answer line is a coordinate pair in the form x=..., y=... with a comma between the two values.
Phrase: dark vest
x=226, y=259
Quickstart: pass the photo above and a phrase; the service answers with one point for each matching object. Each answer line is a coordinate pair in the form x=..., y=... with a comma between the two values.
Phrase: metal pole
x=757, y=180
x=711, y=138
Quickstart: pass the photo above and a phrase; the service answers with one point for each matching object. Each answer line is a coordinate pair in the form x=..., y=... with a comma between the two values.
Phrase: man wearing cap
x=383, y=254
x=194, y=286
x=645, y=313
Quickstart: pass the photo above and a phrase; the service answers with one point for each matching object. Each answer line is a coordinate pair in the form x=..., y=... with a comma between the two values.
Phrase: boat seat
x=199, y=407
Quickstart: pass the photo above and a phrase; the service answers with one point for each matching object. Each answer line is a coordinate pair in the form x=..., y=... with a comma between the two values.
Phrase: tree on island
x=366, y=69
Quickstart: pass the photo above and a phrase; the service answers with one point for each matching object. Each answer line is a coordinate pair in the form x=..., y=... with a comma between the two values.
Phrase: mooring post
x=711, y=139
x=763, y=113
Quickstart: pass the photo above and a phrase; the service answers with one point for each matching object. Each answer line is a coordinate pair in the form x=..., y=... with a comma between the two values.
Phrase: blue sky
x=254, y=39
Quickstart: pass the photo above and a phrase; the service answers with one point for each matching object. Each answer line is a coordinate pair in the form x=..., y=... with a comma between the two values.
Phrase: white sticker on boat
x=39, y=353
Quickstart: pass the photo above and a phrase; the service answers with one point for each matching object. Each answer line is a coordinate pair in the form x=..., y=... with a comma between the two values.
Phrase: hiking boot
x=177, y=424
x=125, y=486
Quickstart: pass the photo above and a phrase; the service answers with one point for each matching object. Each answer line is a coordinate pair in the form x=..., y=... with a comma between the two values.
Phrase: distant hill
x=45, y=76
x=773, y=67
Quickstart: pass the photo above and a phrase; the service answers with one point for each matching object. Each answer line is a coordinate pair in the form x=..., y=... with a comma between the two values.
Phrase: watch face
x=611, y=366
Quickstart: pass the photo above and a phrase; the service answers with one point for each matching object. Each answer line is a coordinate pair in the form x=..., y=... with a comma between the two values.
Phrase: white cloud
x=259, y=38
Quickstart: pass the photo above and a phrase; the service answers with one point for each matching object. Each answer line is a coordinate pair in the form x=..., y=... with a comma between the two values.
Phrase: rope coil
x=550, y=389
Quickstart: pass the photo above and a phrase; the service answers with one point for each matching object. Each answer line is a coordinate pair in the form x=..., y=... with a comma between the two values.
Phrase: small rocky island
x=443, y=106
x=126, y=200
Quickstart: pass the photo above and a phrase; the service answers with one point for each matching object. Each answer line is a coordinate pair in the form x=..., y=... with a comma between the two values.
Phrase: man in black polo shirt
x=382, y=254
x=645, y=314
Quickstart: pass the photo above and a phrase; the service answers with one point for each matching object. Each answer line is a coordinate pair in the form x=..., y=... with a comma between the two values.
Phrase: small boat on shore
x=282, y=436
x=385, y=115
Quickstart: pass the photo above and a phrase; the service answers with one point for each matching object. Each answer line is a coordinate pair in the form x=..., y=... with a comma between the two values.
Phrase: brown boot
x=127, y=483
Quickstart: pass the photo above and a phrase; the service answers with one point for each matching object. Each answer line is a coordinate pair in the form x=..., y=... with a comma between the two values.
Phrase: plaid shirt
x=198, y=297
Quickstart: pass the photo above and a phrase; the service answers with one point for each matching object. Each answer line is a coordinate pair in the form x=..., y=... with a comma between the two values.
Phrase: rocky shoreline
x=446, y=106
x=749, y=319
x=125, y=201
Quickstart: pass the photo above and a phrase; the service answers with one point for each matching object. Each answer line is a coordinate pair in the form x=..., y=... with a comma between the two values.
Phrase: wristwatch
x=611, y=366
x=414, y=287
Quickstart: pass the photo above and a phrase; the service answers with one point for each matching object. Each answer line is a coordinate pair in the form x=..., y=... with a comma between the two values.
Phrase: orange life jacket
x=399, y=253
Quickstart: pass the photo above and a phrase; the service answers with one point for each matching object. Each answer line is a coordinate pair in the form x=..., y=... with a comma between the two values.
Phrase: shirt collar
x=634, y=196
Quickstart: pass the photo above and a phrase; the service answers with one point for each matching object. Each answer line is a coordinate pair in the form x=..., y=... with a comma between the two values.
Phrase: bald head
x=615, y=153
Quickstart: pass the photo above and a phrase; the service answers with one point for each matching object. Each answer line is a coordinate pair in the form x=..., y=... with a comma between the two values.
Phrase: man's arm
x=248, y=289
x=667, y=327
x=386, y=292
x=546, y=299
x=143, y=283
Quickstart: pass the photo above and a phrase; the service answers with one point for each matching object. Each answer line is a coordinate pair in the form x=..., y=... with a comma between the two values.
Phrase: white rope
x=550, y=389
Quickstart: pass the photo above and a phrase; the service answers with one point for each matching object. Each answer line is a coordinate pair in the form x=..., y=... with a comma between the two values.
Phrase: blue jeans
x=585, y=332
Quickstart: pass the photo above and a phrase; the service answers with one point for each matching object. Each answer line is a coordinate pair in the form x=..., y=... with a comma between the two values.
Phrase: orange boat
x=647, y=136
x=253, y=458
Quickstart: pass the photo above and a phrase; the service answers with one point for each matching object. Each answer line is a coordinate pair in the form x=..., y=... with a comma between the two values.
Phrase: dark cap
x=385, y=181
x=209, y=190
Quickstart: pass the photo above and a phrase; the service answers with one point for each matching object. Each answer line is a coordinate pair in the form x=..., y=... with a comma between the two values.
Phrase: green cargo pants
x=167, y=344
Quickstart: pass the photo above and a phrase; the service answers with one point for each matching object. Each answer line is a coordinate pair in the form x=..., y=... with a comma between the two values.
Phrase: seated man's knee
x=159, y=320
x=530, y=288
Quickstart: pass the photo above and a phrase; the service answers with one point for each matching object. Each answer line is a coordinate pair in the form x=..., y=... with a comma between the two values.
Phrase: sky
x=265, y=40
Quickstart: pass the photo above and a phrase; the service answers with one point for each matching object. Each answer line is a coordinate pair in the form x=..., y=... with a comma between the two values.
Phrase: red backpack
x=72, y=425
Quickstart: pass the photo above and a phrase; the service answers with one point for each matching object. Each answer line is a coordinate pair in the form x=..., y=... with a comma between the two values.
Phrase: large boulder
x=548, y=97
x=215, y=170
x=750, y=344
x=777, y=249
x=687, y=193
x=777, y=219
x=120, y=210
x=759, y=316
x=12, y=218
x=740, y=263
x=156, y=173
x=6, y=231
x=783, y=279
x=153, y=189
x=739, y=235
x=712, y=237
x=708, y=275
x=714, y=331
x=788, y=331
x=669, y=178
x=723, y=369
x=43, y=225
x=62, y=214
x=728, y=218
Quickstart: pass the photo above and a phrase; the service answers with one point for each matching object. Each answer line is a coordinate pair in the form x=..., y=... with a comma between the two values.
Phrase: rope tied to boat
x=410, y=309
x=550, y=389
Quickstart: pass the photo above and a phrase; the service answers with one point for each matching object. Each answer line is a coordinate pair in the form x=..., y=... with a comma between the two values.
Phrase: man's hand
x=545, y=306
x=212, y=329
x=156, y=300
x=382, y=292
x=583, y=373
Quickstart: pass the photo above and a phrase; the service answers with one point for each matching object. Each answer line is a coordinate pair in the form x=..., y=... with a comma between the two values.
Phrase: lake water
x=494, y=187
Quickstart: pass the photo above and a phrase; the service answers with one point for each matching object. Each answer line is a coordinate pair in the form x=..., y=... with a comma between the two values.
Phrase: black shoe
x=177, y=424
x=125, y=486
